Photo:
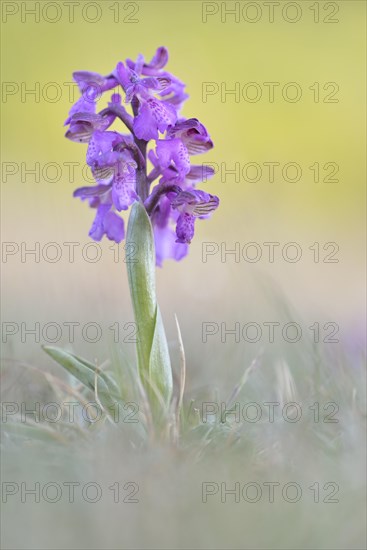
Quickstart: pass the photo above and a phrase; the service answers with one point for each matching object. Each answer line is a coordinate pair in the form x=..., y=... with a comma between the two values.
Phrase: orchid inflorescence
x=119, y=161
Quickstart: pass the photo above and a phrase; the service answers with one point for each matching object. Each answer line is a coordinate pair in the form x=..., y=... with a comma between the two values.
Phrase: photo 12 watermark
x=270, y=12
x=271, y=252
x=273, y=171
x=53, y=252
x=270, y=492
x=270, y=92
x=213, y=412
x=269, y=332
x=62, y=12
x=71, y=492
x=68, y=412
x=52, y=332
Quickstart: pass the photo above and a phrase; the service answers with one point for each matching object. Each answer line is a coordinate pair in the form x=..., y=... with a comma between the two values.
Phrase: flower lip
x=185, y=228
x=154, y=116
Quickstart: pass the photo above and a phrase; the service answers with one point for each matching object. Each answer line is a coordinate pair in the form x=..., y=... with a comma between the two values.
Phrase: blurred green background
x=224, y=52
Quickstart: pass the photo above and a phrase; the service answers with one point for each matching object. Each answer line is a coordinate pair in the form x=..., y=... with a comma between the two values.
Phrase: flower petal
x=97, y=229
x=113, y=227
x=90, y=80
x=185, y=228
x=166, y=246
x=145, y=125
x=83, y=105
x=107, y=148
x=196, y=203
x=123, y=75
x=123, y=187
x=173, y=151
x=91, y=192
x=199, y=173
x=154, y=115
x=159, y=60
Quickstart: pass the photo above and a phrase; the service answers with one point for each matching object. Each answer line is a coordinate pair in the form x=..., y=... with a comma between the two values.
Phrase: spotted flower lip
x=154, y=116
x=173, y=152
x=156, y=133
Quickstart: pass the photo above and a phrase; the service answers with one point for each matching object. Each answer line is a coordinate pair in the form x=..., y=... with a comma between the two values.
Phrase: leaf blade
x=152, y=348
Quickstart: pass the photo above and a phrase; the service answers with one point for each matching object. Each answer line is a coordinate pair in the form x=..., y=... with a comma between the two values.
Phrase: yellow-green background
x=304, y=132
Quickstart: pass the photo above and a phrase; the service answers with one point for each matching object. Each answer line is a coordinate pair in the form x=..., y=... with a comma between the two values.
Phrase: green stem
x=152, y=348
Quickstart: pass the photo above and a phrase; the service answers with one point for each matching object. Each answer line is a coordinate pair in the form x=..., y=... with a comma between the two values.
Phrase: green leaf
x=160, y=372
x=87, y=373
x=33, y=431
x=152, y=349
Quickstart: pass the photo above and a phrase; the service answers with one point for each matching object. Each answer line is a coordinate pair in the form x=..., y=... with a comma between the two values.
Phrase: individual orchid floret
x=158, y=96
x=193, y=134
x=94, y=83
x=172, y=158
x=173, y=153
x=82, y=126
x=198, y=173
x=164, y=219
x=134, y=85
x=171, y=206
x=154, y=116
x=113, y=167
x=107, y=223
x=191, y=205
x=91, y=86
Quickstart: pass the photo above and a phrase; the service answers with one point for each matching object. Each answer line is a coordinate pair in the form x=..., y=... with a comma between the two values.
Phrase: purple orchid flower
x=193, y=134
x=158, y=96
x=92, y=86
x=152, y=115
x=119, y=161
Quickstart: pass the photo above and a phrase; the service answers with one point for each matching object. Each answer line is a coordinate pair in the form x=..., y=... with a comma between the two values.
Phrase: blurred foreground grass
x=323, y=453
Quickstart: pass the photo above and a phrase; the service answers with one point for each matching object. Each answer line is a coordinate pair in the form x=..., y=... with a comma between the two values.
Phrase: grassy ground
x=182, y=474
